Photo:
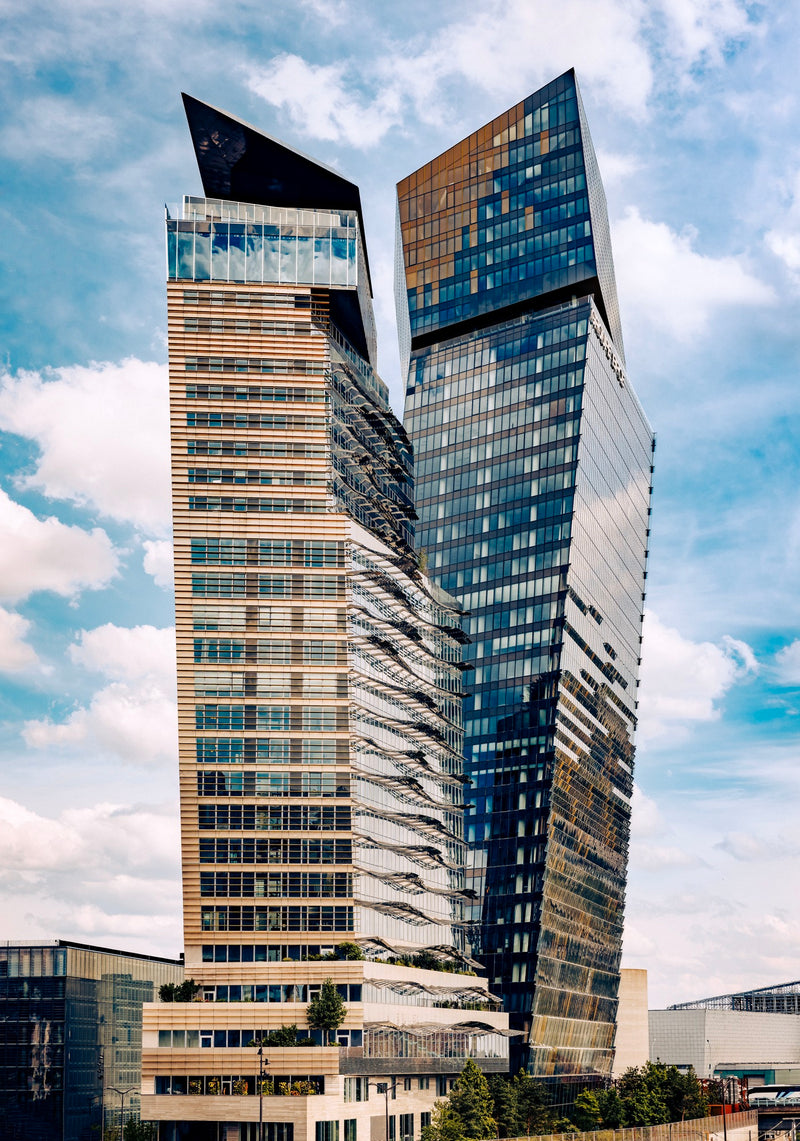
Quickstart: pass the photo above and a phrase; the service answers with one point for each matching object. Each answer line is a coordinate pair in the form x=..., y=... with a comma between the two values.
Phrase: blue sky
x=693, y=106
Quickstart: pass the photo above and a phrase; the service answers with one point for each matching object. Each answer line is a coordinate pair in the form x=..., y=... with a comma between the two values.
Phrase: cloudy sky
x=694, y=110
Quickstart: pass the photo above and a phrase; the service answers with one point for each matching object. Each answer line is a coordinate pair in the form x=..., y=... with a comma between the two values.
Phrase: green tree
x=444, y=1125
x=179, y=992
x=140, y=1131
x=505, y=1107
x=349, y=950
x=586, y=1113
x=283, y=1036
x=612, y=1109
x=326, y=1011
x=536, y=1117
x=472, y=1103
x=684, y=1095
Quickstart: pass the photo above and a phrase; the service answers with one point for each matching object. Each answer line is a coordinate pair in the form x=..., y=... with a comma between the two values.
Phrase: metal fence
x=701, y=1129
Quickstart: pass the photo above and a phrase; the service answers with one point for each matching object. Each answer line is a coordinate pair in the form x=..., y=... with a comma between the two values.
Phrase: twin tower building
x=407, y=653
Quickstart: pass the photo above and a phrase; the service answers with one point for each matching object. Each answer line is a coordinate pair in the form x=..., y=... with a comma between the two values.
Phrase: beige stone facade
x=319, y=682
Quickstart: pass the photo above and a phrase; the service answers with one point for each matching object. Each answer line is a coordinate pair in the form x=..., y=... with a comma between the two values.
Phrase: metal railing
x=700, y=1129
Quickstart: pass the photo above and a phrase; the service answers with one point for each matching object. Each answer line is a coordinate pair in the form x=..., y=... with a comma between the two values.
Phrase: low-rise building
x=71, y=1036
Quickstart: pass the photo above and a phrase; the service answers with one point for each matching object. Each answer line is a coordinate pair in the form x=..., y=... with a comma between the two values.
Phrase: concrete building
x=319, y=686
x=764, y=1048
x=632, y=1040
x=71, y=1036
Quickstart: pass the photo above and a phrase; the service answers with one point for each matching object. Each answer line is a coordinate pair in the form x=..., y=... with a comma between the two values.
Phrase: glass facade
x=533, y=474
x=70, y=1033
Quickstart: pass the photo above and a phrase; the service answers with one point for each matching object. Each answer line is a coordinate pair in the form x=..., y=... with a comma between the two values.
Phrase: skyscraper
x=533, y=470
x=319, y=686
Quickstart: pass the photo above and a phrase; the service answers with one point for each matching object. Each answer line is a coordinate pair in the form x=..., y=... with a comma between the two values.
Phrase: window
x=424, y=1119
x=406, y=1083
x=406, y=1127
x=327, y=1131
x=351, y=1130
x=425, y=1083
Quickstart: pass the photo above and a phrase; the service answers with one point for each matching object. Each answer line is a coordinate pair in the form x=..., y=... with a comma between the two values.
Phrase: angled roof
x=240, y=163
x=512, y=174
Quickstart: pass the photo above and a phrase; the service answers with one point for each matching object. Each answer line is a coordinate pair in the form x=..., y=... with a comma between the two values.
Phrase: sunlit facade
x=319, y=684
x=533, y=475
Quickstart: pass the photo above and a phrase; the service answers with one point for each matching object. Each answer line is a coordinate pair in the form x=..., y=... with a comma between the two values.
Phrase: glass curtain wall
x=533, y=469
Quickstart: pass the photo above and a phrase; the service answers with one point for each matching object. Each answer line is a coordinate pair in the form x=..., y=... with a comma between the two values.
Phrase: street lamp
x=262, y=1062
x=122, y=1094
x=383, y=1087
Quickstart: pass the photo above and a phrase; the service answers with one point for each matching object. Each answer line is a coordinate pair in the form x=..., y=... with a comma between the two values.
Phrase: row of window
x=281, y=651
x=235, y=1085
x=253, y=364
x=257, y=503
x=279, y=885
x=267, y=552
x=267, y=586
x=273, y=818
x=279, y=449
x=256, y=421
x=298, y=918
x=256, y=392
x=291, y=992
x=275, y=851
x=304, y=784
x=262, y=952
x=261, y=476
x=253, y=750
x=277, y=718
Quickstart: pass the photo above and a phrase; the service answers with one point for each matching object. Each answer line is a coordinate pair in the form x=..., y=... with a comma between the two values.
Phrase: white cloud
x=699, y=30
x=135, y=716
x=787, y=661
x=318, y=101
x=158, y=561
x=128, y=653
x=664, y=282
x=615, y=167
x=136, y=722
x=103, y=435
x=784, y=239
x=55, y=128
x=509, y=49
x=105, y=870
x=682, y=681
x=15, y=653
x=45, y=554
x=333, y=12
x=491, y=50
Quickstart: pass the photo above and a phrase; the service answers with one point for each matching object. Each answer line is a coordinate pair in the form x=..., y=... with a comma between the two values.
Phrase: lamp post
x=122, y=1094
x=383, y=1087
x=262, y=1061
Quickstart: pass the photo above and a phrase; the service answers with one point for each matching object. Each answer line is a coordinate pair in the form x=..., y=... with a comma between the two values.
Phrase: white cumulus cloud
x=664, y=281
x=158, y=561
x=128, y=653
x=682, y=681
x=317, y=98
x=787, y=662
x=103, y=436
x=104, y=870
x=15, y=653
x=134, y=717
x=45, y=554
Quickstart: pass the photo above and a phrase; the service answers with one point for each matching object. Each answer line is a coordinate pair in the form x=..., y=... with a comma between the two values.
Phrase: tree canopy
x=327, y=1011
